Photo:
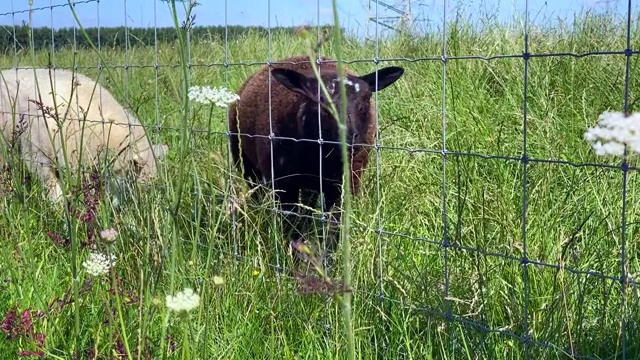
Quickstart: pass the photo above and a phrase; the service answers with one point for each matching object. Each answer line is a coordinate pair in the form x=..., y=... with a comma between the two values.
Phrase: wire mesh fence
x=535, y=276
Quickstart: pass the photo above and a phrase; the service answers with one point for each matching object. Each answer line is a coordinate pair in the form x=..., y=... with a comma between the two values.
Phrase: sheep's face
x=140, y=167
x=358, y=93
x=145, y=163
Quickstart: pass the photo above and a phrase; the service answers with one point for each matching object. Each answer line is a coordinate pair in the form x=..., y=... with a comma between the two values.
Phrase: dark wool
x=294, y=114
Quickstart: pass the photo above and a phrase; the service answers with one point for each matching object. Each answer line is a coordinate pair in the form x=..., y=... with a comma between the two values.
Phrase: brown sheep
x=294, y=105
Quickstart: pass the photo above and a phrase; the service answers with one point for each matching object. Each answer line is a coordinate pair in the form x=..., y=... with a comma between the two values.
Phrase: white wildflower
x=212, y=95
x=185, y=300
x=98, y=264
x=614, y=132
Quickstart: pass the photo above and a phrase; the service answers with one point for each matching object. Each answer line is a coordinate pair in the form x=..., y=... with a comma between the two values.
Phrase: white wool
x=106, y=127
x=347, y=82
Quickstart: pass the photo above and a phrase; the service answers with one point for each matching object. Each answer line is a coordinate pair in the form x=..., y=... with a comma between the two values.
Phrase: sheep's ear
x=297, y=82
x=386, y=77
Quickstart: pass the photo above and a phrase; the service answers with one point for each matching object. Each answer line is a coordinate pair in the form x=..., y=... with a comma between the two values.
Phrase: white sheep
x=32, y=119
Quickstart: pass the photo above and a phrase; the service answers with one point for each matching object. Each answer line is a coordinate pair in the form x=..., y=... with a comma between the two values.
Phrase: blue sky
x=353, y=13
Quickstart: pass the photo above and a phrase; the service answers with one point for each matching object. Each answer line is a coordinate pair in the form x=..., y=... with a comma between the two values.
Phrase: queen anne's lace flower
x=98, y=264
x=614, y=132
x=185, y=300
x=212, y=95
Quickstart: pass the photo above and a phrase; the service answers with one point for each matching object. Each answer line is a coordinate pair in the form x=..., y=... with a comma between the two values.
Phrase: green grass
x=574, y=214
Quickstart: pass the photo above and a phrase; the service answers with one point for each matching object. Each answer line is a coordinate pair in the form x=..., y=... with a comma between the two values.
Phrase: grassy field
x=413, y=297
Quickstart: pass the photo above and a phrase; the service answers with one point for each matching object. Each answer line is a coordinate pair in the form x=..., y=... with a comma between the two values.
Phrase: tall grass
x=399, y=307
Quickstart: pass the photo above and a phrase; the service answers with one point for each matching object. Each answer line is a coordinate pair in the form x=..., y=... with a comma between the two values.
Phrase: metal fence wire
x=522, y=333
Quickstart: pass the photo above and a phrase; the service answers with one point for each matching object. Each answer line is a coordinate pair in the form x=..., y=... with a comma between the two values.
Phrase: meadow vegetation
x=441, y=265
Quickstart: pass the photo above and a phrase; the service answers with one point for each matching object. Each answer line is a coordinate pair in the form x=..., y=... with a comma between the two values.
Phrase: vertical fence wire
x=625, y=176
x=379, y=225
x=53, y=38
x=15, y=38
x=325, y=219
x=38, y=86
x=99, y=47
x=525, y=260
x=273, y=231
x=230, y=165
x=15, y=42
x=74, y=30
x=378, y=161
x=318, y=52
x=127, y=63
x=445, y=226
x=156, y=67
x=53, y=49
